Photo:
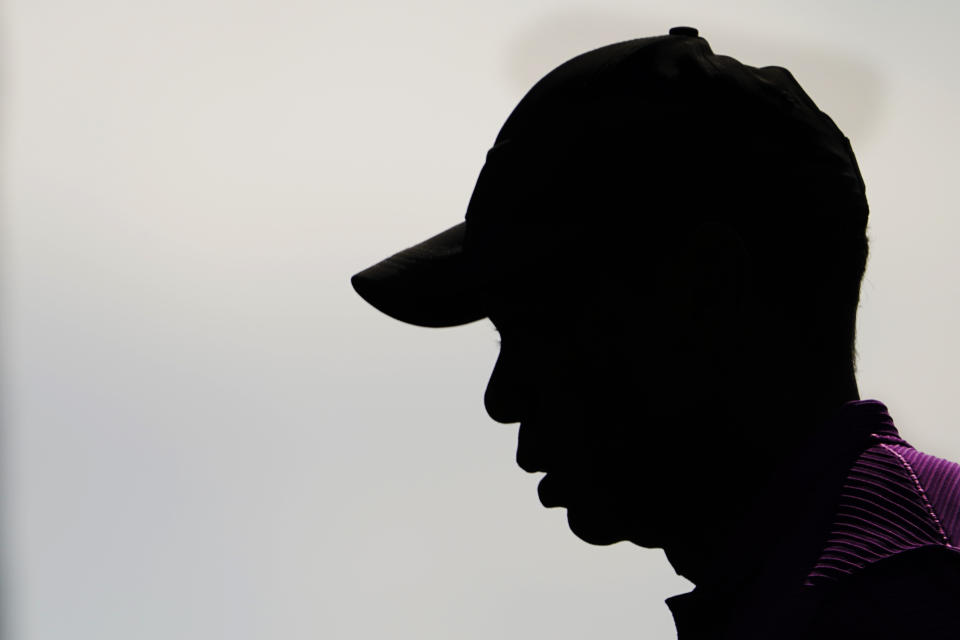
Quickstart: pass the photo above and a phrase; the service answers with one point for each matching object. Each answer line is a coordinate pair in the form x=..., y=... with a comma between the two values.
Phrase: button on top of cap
x=684, y=31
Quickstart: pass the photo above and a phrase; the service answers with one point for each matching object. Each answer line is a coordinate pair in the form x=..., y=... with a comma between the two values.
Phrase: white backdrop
x=207, y=434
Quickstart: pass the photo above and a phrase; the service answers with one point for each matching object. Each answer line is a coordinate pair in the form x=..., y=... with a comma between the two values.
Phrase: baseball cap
x=607, y=152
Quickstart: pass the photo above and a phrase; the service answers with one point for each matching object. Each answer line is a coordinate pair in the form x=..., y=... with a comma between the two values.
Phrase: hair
x=802, y=211
x=813, y=275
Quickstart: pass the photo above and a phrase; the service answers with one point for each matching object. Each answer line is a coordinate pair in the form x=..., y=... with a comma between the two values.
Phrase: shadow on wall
x=848, y=89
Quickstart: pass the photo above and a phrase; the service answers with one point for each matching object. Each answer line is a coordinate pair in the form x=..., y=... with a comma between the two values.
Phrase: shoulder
x=912, y=594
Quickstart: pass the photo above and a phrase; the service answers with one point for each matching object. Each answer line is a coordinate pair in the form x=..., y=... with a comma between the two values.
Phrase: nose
x=505, y=396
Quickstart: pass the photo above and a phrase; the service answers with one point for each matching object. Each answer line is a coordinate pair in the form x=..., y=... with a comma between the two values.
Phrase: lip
x=552, y=491
x=527, y=449
x=533, y=456
x=531, y=466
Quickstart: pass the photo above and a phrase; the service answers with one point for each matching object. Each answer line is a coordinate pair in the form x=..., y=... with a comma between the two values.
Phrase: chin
x=603, y=529
x=594, y=528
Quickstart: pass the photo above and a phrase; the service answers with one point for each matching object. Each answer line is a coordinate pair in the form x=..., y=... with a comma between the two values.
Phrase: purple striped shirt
x=894, y=499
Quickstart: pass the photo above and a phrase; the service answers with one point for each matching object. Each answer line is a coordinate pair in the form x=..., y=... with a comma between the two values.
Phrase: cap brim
x=429, y=284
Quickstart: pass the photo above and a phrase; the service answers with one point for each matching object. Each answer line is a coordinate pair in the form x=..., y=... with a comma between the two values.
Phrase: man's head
x=658, y=233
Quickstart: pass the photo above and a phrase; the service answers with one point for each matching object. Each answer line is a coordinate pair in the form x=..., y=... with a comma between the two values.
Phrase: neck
x=738, y=478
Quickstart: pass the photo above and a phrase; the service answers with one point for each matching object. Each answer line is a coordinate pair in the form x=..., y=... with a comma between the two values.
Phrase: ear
x=707, y=284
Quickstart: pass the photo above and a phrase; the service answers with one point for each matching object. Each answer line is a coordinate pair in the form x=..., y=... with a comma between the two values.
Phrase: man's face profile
x=570, y=371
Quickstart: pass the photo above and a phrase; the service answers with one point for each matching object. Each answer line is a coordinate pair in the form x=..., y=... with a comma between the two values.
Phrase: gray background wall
x=207, y=434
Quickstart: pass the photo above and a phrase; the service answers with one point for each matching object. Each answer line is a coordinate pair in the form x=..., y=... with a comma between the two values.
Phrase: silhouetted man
x=671, y=245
